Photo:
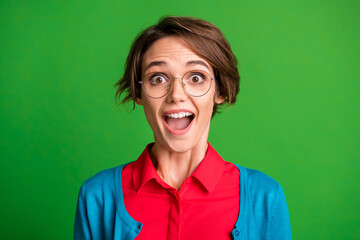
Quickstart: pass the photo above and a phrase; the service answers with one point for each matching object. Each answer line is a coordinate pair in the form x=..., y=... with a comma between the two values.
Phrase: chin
x=172, y=144
x=180, y=146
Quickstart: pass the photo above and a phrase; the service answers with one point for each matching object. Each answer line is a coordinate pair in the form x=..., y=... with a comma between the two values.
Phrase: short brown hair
x=202, y=37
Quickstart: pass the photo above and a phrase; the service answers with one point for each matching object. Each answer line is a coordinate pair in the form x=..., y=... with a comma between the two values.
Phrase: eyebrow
x=155, y=63
x=197, y=62
x=190, y=63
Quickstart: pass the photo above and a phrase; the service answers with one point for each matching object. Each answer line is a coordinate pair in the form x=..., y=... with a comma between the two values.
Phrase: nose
x=177, y=91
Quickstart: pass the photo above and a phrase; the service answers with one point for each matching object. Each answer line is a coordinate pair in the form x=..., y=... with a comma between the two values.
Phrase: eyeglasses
x=195, y=83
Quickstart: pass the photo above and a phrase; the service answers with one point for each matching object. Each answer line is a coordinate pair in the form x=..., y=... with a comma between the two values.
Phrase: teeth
x=179, y=115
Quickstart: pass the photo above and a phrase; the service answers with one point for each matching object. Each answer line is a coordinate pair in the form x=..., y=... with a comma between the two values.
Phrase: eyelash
x=155, y=75
x=158, y=74
x=197, y=73
x=165, y=75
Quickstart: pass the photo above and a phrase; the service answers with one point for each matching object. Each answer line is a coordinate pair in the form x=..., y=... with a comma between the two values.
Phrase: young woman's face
x=179, y=121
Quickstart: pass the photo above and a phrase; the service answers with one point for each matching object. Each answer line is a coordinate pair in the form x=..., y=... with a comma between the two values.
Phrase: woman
x=180, y=70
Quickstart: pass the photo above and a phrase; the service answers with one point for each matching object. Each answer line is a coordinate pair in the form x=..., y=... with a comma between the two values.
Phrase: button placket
x=174, y=217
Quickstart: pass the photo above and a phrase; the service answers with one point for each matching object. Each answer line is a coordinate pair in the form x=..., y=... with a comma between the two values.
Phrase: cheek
x=151, y=113
x=206, y=107
x=208, y=103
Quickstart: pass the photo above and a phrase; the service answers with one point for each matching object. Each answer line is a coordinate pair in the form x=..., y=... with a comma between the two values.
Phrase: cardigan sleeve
x=81, y=227
x=280, y=221
x=97, y=214
x=263, y=211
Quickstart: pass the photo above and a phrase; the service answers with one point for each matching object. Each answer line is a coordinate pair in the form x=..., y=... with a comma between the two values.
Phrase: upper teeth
x=179, y=115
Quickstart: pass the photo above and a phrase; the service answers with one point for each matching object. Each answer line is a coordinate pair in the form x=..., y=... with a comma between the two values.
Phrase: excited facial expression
x=178, y=120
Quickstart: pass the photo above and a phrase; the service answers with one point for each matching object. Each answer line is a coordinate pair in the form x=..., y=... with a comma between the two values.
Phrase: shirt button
x=188, y=180
x=237, y=232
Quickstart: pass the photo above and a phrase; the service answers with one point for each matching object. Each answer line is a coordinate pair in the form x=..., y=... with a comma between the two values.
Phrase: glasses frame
x=172, y=80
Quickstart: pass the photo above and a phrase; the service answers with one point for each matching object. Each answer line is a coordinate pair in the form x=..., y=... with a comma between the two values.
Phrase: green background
x=297, y=116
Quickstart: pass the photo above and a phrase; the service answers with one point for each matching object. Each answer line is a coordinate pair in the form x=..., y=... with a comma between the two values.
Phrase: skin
x=175, y=157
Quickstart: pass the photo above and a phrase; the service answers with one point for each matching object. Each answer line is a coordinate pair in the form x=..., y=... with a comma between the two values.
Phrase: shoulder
x=231, y=172
x=259, y=186
x=257, y=179
x=263, y=205
x=267, y=205
x=104, y=182
x=261, y=181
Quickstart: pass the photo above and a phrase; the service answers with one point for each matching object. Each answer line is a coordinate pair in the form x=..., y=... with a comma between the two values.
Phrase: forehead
x=171, y=52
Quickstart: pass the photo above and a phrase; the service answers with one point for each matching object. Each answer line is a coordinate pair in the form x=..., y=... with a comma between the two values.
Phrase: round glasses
x=195, y=83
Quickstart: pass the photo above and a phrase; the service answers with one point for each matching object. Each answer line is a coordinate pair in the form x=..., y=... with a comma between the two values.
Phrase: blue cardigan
x=101, y=213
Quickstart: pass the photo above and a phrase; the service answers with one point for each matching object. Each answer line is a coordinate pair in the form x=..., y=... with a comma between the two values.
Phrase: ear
x=219, y=99
x=138, y=101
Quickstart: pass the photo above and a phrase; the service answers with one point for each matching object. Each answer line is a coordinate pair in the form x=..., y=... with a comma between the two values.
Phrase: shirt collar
x=144, y=170
x=208, y=173
x=210, y=169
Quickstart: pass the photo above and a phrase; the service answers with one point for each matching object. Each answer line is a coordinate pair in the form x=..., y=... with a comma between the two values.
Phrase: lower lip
x=177, y=131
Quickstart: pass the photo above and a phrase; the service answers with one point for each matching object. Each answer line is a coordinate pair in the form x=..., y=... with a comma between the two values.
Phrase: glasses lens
x=197, y=83
x=156, y=85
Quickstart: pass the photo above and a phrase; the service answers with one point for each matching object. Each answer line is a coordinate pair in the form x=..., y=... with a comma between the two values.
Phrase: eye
x=157, y=79
x=196, y=78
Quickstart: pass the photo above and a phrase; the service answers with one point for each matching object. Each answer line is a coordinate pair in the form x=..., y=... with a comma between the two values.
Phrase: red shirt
x=205, y=207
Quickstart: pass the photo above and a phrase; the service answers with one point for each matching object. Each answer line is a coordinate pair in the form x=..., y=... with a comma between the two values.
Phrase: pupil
x=158, y=80
x=195, y=79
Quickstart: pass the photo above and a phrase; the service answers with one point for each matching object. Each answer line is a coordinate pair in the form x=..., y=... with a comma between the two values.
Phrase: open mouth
x=178, y=121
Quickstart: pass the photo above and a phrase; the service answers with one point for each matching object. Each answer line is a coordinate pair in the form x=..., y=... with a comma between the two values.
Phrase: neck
x=174, y=167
